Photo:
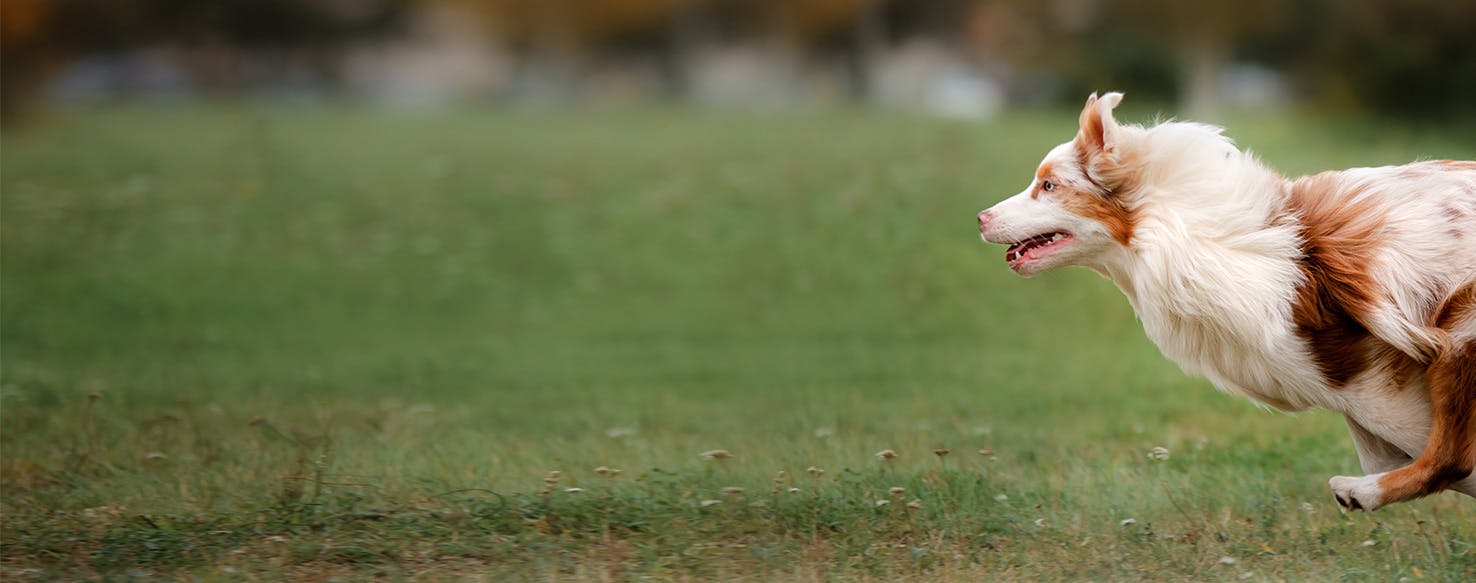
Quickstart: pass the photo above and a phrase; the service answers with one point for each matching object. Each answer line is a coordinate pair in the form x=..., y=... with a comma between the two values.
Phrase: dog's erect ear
x=1098, y=133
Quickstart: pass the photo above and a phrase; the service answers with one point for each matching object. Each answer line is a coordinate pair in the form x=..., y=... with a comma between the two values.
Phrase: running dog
x=1351, y=290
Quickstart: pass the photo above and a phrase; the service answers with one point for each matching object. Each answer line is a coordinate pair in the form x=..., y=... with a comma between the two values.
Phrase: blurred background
x=950, y=57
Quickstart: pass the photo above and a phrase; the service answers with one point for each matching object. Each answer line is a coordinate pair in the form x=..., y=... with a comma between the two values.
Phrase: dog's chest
x=1264, y=361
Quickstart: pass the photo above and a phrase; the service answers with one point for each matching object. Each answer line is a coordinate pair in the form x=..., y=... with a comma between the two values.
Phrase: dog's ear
x=1098, y=133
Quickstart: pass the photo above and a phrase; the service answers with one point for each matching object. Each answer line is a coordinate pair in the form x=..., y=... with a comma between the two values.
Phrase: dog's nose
x=984, y=217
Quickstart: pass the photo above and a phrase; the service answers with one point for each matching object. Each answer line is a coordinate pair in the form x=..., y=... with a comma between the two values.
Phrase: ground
x=284, y=342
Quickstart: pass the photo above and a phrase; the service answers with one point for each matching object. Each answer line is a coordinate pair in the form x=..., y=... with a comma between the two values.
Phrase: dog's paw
x=1357, y=493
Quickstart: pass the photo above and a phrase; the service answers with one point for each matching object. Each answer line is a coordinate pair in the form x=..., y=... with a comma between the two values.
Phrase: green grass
x=311, y=343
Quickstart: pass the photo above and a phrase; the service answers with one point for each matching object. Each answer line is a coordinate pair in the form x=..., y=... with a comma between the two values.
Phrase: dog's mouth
x=1036, y=248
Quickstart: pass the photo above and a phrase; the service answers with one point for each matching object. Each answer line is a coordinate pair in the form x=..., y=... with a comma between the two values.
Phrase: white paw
x=1357, y=493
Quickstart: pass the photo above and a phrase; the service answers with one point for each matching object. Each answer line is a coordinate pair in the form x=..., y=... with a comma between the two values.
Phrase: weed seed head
x=716, y=454
x=942, y=451
x=814, y=472
x=886, y=455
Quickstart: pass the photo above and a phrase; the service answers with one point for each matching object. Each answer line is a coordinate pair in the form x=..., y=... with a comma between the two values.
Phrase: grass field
x=310, y=343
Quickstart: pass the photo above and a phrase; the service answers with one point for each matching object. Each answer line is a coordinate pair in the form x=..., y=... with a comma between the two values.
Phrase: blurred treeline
x=1404, y=57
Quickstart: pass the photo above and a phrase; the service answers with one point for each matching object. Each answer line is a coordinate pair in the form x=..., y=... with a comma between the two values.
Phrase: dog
x=1351, y=290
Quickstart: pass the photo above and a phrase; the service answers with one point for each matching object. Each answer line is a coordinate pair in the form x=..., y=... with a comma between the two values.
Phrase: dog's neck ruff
x=1212, y=272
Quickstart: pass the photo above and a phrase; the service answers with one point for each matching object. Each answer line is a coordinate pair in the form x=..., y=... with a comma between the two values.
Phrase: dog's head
x=1074, y=212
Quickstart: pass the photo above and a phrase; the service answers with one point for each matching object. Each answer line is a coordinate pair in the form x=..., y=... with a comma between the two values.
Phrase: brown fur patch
x=1092, y=136
x=1105, y=209
x=1339, y=235
x=1457, y=164
x=1459, y=306
x=1450, y=454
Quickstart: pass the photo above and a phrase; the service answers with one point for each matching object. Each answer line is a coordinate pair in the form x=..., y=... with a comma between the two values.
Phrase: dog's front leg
x=1449, y=454
x=1375, y=454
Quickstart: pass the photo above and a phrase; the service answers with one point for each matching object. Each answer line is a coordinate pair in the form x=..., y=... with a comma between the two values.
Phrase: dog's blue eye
x=1048, y=186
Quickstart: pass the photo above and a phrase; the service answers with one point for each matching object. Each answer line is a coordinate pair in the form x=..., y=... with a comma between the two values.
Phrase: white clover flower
x=1001, y=497
x=915, y=504
x=573, y=490
x=1127, y=522
x=732, y=490
x=896, y=490
x=883, y=502
x=706, y=503
x=1158, y=454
